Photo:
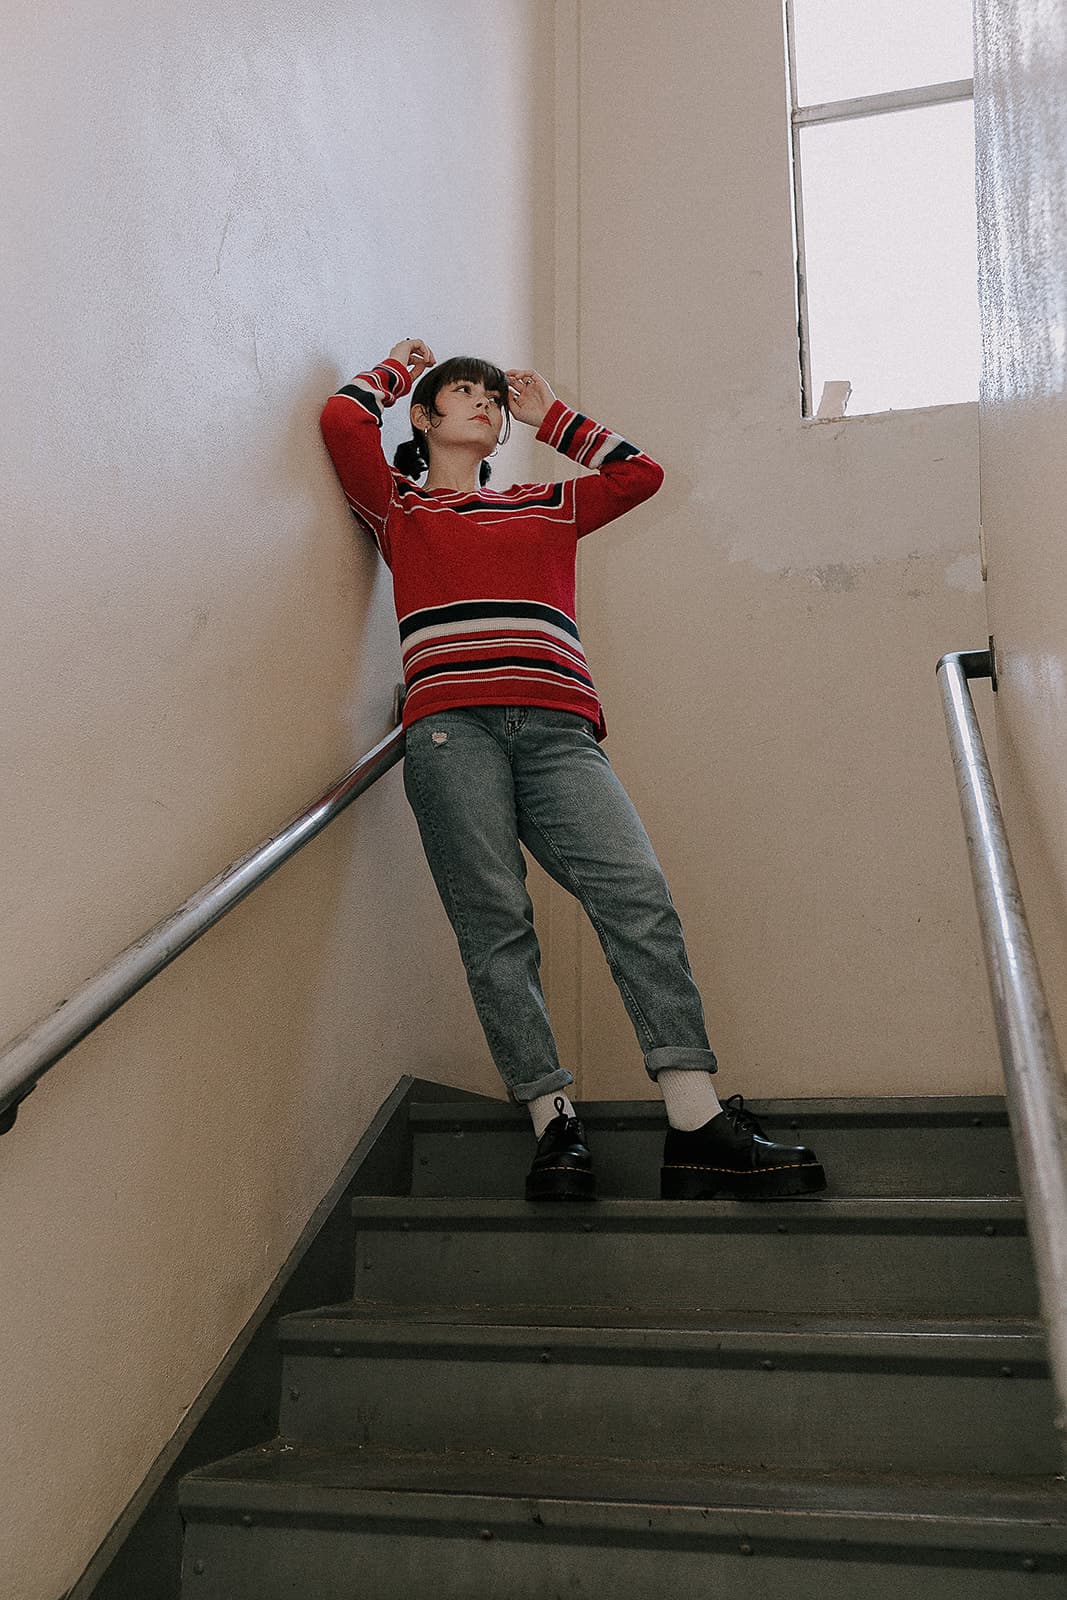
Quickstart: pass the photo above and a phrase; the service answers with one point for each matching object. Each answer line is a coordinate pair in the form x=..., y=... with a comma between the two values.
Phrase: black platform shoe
x=562, y=1168
x=730, y=1155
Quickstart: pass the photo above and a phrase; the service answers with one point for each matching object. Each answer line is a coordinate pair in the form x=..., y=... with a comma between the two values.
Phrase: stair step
x=285, y=1520
x=825, y=1393
x=294, y=1326
x=951, y=1145
x=899, y=1257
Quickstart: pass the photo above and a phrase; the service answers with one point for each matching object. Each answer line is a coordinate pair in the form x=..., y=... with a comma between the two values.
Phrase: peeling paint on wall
x=965, y=573
x=826, y=494
x=835, y=577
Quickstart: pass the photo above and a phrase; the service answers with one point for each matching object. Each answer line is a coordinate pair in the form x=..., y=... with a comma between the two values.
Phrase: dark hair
x=413, y=456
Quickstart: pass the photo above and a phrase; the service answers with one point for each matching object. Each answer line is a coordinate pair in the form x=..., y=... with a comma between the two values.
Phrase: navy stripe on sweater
x=477, y=610
x=549, y=499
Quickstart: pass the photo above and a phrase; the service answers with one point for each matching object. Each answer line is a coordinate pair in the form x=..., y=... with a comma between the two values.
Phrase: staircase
x=836, y=1398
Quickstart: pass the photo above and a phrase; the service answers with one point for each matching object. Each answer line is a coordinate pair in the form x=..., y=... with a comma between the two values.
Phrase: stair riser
x=536, y=1399
x=395, y=1560
x=921, y=1273
x=858, y=1161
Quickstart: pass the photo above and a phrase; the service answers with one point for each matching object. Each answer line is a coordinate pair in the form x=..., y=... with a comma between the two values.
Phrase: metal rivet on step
x=768, y=1366
x=620, y=1127
x=1006, y=1372
x=745, y=1549
x=783, y=1228
x=976, y=1122
x=246, y=1520
x=486, y=1533
x=989, y=1230
x=546, y=1355
x=1029, y=1564
x=367, y=1265
x=587, y=1227
x=294, y=1394
x=405, y=1227
x=337, y=1349
x=198, y=1567
x=424, y=1161
x=794, y=1125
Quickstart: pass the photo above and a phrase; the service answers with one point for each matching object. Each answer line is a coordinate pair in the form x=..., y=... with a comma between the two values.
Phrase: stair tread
x=316, y=1478
x=804, y=1210
x=995, y=1338
x=839, y=1111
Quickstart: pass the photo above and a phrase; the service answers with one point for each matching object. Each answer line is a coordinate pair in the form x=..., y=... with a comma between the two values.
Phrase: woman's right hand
x=414, y=354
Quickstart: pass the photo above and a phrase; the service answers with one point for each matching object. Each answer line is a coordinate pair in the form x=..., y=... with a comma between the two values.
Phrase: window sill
x=883, y=416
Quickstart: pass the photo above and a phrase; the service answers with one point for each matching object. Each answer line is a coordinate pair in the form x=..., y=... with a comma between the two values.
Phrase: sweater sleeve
x=351, y=424
x=624, y=474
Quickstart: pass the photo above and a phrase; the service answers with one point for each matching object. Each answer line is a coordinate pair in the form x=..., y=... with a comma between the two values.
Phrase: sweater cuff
x=397, y=379
x=554, y=424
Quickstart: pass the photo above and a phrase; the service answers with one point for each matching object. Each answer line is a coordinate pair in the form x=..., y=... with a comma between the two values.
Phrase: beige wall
x=764, y=633
x=1021, y=119
x=214, y=215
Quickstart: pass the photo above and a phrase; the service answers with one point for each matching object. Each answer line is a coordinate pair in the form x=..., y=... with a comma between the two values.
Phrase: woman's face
x=467, y=414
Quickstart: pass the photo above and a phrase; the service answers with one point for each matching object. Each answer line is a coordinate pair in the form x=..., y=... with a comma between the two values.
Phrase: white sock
x=543, y=1109
x=689, y=1096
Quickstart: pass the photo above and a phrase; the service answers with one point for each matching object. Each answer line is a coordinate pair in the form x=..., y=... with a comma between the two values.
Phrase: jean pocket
x=554, y=717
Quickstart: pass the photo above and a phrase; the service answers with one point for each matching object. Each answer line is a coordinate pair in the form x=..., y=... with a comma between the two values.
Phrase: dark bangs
x=473, y=369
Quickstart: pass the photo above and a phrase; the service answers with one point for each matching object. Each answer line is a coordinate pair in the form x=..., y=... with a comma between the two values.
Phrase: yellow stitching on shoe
x=742, y=1172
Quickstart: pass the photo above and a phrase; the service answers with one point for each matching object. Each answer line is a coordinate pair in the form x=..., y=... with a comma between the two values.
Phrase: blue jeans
x=480, y=779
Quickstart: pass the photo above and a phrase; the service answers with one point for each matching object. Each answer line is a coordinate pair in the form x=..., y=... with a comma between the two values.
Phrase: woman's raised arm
x=625, y=475
x=351, y=424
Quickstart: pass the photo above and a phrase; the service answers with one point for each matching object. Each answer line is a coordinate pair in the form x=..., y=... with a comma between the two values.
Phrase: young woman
x=503, y=749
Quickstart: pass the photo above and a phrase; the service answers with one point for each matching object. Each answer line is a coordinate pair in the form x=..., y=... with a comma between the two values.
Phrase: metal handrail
x=1033, y=1070
x=25, y=1060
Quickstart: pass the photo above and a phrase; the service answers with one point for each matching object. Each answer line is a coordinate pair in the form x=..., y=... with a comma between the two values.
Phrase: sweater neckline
x=452, y=494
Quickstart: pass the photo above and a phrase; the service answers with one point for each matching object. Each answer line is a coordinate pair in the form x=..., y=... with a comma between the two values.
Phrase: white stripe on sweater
x=444, y=630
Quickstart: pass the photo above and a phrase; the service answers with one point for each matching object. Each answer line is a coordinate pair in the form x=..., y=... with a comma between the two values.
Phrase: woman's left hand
x=530, y=395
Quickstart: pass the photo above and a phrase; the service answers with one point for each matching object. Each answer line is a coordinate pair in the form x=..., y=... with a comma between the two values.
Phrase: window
x=882, y=111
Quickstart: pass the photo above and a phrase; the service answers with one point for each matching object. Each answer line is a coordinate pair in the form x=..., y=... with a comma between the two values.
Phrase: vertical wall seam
x=579, y=1005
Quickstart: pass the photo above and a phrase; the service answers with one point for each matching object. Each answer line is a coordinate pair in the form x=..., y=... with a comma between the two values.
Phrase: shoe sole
x=561, y=1185
x=710, y=1183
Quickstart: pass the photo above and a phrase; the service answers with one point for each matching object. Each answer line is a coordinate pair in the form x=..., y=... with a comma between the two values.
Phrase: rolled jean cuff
x=679, y=1058
x=522, y=1092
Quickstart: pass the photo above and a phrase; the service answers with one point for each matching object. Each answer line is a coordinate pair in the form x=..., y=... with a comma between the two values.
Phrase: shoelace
x=744, y=1120
x=572, y=1124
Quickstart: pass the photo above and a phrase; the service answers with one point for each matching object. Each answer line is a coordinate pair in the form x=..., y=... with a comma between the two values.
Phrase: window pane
x=846, y=48
x=891, y=248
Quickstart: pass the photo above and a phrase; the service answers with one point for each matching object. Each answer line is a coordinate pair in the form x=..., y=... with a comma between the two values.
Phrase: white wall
x=764, y=632
x=1021, y=121
x=214, y=215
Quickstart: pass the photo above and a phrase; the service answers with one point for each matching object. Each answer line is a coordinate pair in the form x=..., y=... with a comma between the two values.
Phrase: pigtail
x=410, y=457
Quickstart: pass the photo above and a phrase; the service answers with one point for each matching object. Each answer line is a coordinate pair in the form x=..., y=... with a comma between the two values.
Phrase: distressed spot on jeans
x=439, y=738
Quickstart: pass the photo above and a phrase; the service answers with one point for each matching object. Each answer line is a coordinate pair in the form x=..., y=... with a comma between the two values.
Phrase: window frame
x=870, y=105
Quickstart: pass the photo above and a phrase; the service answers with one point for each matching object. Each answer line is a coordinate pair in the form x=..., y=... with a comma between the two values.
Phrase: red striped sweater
x=484, y=580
